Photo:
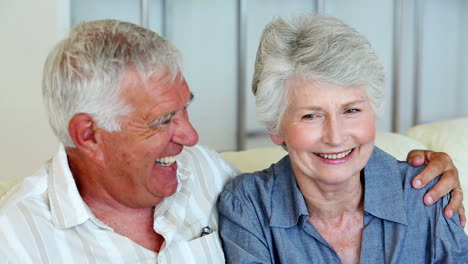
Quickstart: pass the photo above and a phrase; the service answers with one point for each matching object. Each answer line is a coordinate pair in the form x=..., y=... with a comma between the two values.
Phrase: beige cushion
x=448, y=136
x=5, y=185
x=396, y=144
x=261, y=158
x=254, y=159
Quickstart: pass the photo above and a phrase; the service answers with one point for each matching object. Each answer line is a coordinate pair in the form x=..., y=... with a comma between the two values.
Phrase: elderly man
x=128, y=184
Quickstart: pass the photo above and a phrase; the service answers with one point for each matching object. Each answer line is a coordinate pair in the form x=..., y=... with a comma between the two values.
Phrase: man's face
x=139, y=161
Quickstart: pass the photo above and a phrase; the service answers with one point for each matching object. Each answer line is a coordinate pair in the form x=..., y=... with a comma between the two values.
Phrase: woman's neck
x=331, y=202
x=337, y=212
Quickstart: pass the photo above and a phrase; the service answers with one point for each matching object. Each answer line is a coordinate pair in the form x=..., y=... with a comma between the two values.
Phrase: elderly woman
x=336, y=198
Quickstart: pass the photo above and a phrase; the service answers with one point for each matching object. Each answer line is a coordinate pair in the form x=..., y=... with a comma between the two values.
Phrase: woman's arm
x=449, y=243
x=240, y=231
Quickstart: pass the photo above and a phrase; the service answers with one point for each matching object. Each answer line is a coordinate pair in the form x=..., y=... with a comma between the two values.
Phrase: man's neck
x=135, y=223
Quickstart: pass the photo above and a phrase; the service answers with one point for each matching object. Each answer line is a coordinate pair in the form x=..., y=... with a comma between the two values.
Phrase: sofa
x=449, y=136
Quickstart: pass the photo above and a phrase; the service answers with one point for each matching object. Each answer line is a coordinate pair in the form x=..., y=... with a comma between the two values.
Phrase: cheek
x=365, y=130
x=301, y=137
x=119, y=153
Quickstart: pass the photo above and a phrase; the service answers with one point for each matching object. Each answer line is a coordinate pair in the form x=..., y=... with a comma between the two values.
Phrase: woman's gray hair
x=316, y=47
x=82, y=74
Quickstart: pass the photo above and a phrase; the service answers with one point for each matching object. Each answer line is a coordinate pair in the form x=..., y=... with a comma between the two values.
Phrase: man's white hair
x=82, y=74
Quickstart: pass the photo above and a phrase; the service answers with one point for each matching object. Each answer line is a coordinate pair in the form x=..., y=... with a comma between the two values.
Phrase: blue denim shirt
x=263, y=219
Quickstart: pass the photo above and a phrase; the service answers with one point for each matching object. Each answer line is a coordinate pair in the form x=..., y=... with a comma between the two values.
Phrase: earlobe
x=83, y=133
x=277, y=139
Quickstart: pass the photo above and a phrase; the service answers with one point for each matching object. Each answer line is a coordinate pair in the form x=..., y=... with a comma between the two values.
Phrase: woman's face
x=329, y=131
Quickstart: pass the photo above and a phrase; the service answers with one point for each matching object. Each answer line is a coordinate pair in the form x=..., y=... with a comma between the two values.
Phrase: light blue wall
x=442, y=60
x=205, y=32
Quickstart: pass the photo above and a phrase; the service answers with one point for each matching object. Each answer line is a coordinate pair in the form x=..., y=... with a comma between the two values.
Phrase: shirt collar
x=384, y=192
x=183, y=173
x=287, y=203
x=169, y=214
x=67, y=207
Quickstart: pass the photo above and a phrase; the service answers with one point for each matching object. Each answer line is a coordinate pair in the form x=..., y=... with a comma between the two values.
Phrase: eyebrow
x=360, y=101
x=169, y=116
x=345, y=105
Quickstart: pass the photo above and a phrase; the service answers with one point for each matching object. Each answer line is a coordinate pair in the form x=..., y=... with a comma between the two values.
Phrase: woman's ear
x=277, y=139
x=83, y=132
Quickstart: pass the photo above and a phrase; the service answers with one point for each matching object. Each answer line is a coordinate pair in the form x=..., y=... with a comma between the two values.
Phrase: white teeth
x=335, y=156
x=166, y=161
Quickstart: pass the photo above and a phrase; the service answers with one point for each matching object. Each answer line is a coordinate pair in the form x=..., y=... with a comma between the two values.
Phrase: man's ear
x=82, y=130
x=277, y=139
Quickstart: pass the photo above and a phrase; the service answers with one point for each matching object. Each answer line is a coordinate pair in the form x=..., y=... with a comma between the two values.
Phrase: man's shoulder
x=201, y=159
x=27, y=191
x=199, y=152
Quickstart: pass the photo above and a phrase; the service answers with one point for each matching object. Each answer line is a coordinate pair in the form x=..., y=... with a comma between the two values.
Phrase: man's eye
x=164, y=122
x=161, y=122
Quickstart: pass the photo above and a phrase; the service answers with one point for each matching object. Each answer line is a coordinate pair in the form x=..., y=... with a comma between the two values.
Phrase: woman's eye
x=309, y=116
x=352, y=110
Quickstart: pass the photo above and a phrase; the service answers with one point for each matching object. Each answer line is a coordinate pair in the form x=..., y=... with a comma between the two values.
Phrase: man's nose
x=184, y=133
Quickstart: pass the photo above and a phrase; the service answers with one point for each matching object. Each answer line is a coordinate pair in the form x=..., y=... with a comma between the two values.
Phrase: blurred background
x=420, y=42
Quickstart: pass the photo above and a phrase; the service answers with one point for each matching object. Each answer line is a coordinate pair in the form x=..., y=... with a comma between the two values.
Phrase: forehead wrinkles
x=310, y=91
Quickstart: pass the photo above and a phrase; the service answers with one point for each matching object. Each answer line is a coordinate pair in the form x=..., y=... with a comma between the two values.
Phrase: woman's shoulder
x=387, y=163
x=252, y=182
x=255, y=187
x=408, y=172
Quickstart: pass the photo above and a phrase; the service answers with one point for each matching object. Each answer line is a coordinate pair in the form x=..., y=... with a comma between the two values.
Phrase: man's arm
x=439, y=163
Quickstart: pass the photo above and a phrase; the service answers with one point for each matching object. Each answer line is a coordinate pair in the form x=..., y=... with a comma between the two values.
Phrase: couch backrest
x=449, y=136
x=261, y=158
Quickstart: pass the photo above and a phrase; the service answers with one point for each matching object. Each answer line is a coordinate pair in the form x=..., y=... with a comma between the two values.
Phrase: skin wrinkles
x=326, y=118
x=132, y=178
x=168, y=117
x=125, y=181
x=320, y=111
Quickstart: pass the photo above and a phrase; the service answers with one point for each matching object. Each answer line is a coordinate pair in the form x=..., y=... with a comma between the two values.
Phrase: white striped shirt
x=44, y=219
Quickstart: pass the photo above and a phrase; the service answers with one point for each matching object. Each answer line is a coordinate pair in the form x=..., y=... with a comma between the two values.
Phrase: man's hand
x=439, y=163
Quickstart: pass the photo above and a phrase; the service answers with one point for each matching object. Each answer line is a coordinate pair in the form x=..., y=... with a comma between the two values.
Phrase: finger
x=440, y=163
x=455, y=202
x=431, y=171
x=461, y=212
x=448, y=182
x=416, y=157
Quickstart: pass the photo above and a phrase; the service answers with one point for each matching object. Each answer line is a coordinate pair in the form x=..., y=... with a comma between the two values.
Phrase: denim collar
x=383, y=191
x=287, y=202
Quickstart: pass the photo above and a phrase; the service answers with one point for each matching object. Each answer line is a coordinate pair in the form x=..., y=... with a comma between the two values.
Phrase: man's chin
x=170, y=189
x=164, y=179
